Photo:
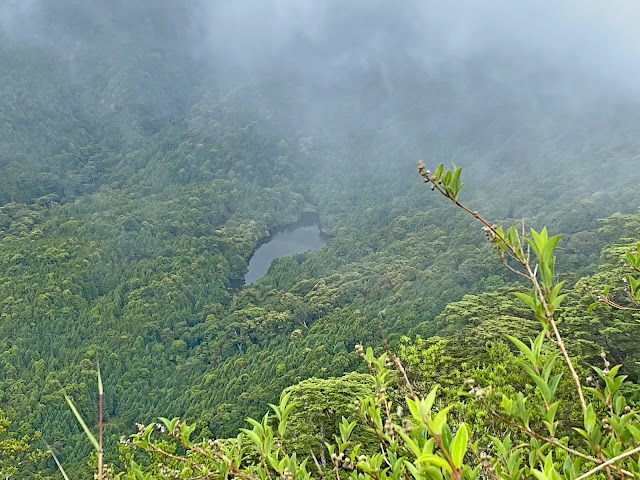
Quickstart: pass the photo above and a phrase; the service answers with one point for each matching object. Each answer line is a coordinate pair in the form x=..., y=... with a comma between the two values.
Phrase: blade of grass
x=100, y=389
x=55, y=459
x=100, y=398
x=87, y=432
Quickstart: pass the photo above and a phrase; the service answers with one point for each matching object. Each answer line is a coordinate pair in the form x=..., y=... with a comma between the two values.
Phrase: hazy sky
x=598, y=38
x=595, y=39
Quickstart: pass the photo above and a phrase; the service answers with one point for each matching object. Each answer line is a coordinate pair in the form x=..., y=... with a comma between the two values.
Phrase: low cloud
x=583, y=37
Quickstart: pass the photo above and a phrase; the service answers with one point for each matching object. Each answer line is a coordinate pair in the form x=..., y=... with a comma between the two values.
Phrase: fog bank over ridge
x=413, y=73
x=586, y=38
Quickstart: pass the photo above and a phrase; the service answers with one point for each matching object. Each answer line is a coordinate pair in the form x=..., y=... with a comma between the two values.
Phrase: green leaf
x=439, y=420
x=549, y=247
x=543, y=388
x=253, y=436
x=185, y=433
x=432, y=473
x=256, y=424
x=446, y=437
x=582, y=432
x=346, y=428
x=634, y=431
x=548, y=366
x=551, y=413
x=459, y=445
x=526, y=351
x=435, y=460
x=455, y=178
x=368, y=356
x=413, y=470
x=431, y=398
x=533, y=246
x=168, y=424
x=558, y=300
x=539, y=475
x=546, y=274
x=557, y=287
x=554, y=298
x=614, y=370
x=536, y=346
x=455, y=184
x=553, y=385
x=512, y=236
x=413, y=408
x=413, y=446
x=436, y=175
x=589, y=419
x=527, y=300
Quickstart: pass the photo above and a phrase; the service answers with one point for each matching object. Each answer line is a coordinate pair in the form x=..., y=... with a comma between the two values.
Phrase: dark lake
x=297, y=238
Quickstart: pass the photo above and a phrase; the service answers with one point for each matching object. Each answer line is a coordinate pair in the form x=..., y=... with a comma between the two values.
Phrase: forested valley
x=147, y=149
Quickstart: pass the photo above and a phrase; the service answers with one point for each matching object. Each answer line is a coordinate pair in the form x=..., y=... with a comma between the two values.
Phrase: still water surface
x=292, y=240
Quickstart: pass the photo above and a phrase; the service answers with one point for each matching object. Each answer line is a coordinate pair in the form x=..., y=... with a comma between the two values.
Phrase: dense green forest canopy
x=148, y=148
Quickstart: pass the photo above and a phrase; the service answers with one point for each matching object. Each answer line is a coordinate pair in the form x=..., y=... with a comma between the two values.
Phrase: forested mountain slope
x=138, y=178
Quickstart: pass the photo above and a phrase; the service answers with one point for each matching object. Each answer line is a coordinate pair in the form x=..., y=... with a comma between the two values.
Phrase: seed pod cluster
x=340, y=460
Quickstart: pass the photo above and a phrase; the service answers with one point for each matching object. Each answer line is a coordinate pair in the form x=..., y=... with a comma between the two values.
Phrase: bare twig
x=609, y=462
x=611, y=303
x=524, y=261
x=559, y=341
x=161, y=451
x=398, y=365
x=552, y=441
